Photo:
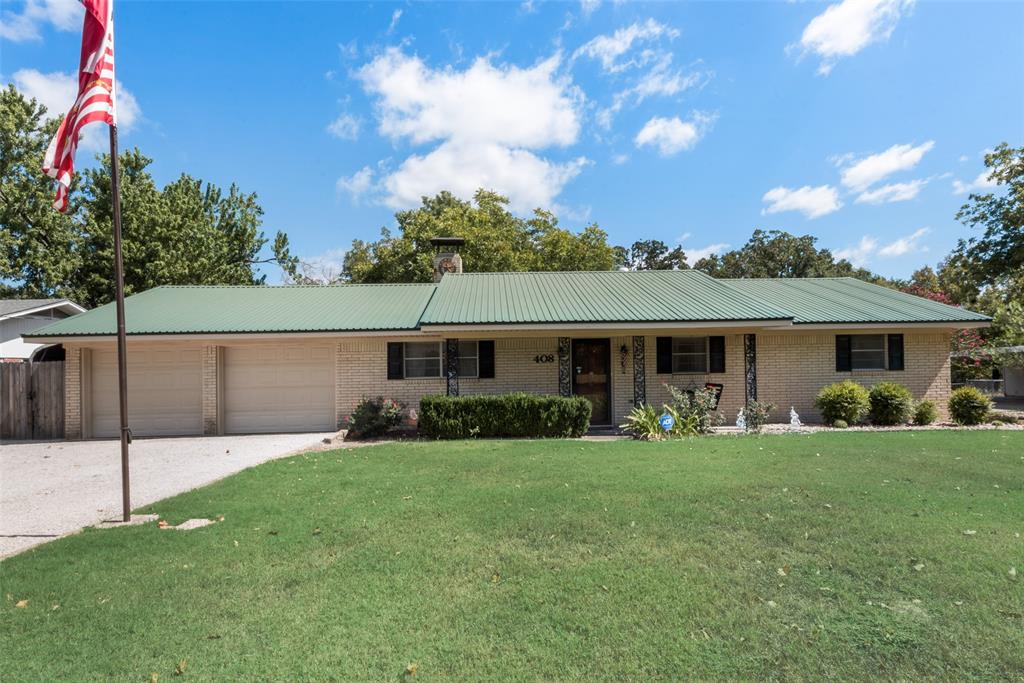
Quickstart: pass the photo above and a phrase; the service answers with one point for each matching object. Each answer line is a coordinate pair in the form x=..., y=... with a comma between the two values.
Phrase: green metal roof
x=211, y=310
x=848, y=300
x=591, y=297
x=509, y=299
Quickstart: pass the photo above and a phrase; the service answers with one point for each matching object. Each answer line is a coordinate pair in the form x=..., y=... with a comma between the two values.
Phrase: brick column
x=210, y=362
x=72, y=392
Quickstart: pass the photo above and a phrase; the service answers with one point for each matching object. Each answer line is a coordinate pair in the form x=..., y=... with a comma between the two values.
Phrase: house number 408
x=544, y=358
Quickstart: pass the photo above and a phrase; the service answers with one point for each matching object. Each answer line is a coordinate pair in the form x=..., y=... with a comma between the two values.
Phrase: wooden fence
x=32, y=400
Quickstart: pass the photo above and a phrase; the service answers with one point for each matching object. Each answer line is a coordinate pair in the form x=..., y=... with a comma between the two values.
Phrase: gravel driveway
x=51, y=489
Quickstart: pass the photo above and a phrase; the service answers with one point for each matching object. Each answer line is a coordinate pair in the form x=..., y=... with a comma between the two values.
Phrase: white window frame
x=885, y=353
x=406, y=358
x=707, y=359
x=475, y=356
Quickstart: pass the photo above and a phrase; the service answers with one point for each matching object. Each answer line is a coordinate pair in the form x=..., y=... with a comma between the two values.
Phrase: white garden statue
x=794, y=420
x=741, y=420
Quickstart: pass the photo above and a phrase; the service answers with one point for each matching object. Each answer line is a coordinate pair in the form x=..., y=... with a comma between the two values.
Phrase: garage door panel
x=280, y=388
x=164, y=392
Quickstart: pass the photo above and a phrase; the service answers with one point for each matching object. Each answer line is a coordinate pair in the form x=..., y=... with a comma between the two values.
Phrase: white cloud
x=357, y=184
x=813, y=202
x=868, y=247
x=694, y=255
x=673, y=135
x=904, y=245
x=588, y=7
x=57, y=90
x=847, y=27
x=979, y=184
x=489, y=120
x=619, y=159
x=65, y=15
x=395, y=16
x=345, y=127
x=660, y=80
x=862, y=174
x=608, y=49
x=464, y=166
x=894, y=192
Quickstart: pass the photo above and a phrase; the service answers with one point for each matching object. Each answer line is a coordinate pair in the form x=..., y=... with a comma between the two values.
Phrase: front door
x=591, y=377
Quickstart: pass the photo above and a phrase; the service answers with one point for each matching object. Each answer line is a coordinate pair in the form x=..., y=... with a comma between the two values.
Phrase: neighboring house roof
x=212, y=310
x=848, y=300
x=591, y=297
x=512, y=299
x=13, y=308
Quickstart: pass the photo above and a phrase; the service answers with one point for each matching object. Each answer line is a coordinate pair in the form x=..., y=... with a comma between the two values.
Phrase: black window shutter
x=485, y=362
x=664, y=356
x=895, y=351
x=844, y=355
x=396, y=368
x=716, y=354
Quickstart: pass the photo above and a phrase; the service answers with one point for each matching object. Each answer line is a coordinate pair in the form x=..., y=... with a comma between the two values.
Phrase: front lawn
x=832, y=556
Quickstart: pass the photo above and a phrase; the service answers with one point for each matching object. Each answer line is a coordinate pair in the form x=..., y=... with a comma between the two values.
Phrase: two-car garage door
x=263, y=388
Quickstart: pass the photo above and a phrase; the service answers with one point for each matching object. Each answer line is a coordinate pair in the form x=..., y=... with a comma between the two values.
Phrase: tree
x=496, y=241
x=775, y=253
x=650, y=255
x=999, y=252
x=189, y=232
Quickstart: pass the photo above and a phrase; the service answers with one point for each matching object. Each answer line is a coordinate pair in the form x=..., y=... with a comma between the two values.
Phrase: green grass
x=785, y=557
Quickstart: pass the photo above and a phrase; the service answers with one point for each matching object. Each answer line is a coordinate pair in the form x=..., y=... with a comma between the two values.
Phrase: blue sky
x=860, y=122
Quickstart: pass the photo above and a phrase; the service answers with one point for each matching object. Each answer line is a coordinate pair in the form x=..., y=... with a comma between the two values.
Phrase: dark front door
x=591, y=376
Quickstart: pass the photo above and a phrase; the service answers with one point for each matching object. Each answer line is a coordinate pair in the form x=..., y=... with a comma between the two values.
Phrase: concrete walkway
x=51, y=489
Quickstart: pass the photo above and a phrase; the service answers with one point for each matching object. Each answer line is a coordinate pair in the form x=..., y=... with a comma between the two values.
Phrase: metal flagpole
x=122, y=341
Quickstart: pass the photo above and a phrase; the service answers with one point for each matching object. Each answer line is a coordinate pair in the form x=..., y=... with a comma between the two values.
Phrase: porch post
x=639, y=372
x=564, y=371
x=451, y=360
x=750, y=366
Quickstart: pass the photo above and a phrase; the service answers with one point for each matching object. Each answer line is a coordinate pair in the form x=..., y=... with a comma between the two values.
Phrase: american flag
x=95, y=101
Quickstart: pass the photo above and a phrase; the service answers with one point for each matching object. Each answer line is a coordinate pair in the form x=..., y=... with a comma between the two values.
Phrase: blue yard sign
x=667, y=422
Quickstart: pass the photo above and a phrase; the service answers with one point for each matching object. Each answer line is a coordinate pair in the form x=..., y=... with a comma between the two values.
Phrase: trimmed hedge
x=891, y=404
x=505, y=415
x=846, y=401
x=968, y=406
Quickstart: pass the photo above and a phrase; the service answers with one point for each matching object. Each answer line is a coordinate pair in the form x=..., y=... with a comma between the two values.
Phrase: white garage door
x=278, y=388
x=165, y=389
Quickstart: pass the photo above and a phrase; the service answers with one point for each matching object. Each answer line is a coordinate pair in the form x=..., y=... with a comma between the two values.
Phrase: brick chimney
x=446, y=256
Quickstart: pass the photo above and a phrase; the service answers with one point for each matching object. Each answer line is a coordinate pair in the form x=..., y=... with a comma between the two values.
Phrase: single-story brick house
x=224, y=360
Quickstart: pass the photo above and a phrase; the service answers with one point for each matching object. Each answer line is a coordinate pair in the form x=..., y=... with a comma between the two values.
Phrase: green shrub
x=926, y=413
x=506, y=415
x=756, y=413
x=695, y=408
x=644, y=422
x=374, y=417
x=968, y=406
x=840, y=424
x=891, y=404
x=846, y=400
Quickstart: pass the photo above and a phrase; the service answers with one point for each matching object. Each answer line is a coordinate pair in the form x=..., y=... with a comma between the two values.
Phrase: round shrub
x=846, y=400
x=374, y=417
x=926, y=413
x=891, y=404
x=840, y=424
x=968, y=406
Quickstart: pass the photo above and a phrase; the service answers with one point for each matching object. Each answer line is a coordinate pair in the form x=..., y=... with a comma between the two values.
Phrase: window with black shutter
x=895, y=351
x=844, y=356
x=486, y=351
x=664, y=355
x=396, y=368
x=716, y=354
